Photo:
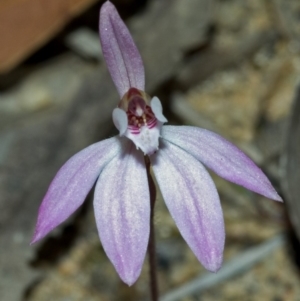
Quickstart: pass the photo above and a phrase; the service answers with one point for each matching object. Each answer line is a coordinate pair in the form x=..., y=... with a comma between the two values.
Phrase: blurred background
x=226, y=65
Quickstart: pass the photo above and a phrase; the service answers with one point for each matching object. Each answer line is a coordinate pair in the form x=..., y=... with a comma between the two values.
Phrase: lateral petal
x=122, y=57
x=221, y=156
x=157, y=109
x=120, y=120
x=122, y=211
x=72, y=183
x=193, y=202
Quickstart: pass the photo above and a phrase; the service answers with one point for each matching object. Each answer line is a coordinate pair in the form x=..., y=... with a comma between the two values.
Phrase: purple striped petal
x=122, y=57
x=193, y=202
x=122, y=211
x=72, y=183
x=221, y=156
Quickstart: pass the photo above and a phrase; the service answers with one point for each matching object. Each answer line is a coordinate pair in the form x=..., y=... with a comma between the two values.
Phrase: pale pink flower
x=177, y=155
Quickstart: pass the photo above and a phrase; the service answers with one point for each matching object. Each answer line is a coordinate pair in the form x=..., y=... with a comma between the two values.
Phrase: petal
x=122, y=211
x=120, y=120
x=157, y=109
x=225, y=159
x=193, y=202
x=72, y=183
x=122, y=57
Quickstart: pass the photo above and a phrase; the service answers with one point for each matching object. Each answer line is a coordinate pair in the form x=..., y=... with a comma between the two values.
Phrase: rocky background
x=226, y=65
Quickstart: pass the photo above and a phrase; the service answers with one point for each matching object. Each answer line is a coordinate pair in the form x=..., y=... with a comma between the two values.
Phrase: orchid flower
x=177, y=155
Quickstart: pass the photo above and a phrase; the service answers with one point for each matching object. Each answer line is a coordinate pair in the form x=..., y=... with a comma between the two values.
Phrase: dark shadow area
x=53, y=248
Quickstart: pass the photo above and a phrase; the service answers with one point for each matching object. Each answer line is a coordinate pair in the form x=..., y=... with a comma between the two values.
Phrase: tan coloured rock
x=25, y=25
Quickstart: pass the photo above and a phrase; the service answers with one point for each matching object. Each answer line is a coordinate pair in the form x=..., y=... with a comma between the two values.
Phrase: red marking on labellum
x=138, y=111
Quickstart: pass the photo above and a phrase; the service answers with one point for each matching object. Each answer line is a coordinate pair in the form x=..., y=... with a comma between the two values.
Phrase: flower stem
x=151, y=246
